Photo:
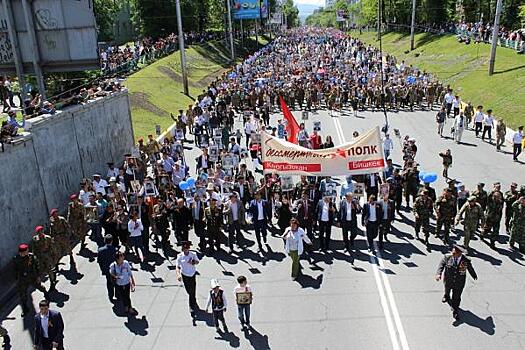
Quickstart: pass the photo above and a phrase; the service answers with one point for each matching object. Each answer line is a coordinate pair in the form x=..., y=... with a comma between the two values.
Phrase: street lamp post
x=182, y=50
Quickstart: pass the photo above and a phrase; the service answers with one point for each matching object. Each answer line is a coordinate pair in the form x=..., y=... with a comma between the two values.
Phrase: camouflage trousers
x=468, y=230
x=491, y=228
x=517, y=235
x=78, y=231
x=422, y=223
x=446, y=223
x=63, y=244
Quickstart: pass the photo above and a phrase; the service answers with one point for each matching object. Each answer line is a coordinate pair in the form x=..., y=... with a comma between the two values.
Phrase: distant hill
x=306, y=10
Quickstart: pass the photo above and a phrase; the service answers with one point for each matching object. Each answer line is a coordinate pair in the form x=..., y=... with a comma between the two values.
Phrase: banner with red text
x=364, y=155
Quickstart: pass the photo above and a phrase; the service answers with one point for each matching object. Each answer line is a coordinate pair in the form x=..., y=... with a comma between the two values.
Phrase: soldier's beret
x=471, y=199
x=23, y=247
x=53, y=211
x=73, y=196
x=39, y=228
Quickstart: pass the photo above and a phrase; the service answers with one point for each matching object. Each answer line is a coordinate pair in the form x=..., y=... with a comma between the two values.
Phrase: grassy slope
x=157, y=90
x=465, y=68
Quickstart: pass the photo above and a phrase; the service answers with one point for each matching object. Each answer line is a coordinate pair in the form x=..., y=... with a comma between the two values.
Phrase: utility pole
x=230, y=30
x=378, y=19
x=412, y=25
x=182, y=50
x=28, y=17
x=19, y=66
x=495, y=33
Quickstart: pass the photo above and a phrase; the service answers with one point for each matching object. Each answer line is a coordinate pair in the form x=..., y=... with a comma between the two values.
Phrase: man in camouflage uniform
x=27, y=274
x=511, y=196
x=517, y=233
x=423, y=207
x=445, y=209
x=473, y=215
x=481, y=196
x=411, y=182
x=44, y=249
x=493, y=215
x=214, y=217
x=76, y=217
x=59, y=230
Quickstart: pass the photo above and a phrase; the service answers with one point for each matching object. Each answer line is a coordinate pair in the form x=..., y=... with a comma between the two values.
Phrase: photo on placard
x=213, y=152
x=227, y=187
x=236, y=160
x=304, y=115
x=218, y=141
x=135, y=185
x=359, y=189
x=317, y=126
x=149, y=188
x=331, y=189
x=179, y=134
x=203, y=140
x=227, y=162
x=287, y=183
x=217, y=133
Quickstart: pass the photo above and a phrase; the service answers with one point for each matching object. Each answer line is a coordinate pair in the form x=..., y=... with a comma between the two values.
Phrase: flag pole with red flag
x=292, y=128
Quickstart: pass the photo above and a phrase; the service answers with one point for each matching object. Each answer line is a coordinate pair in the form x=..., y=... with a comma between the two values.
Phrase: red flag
x=292, y=128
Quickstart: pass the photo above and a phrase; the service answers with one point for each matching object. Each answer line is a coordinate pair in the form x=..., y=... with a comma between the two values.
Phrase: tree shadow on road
x=485, y=325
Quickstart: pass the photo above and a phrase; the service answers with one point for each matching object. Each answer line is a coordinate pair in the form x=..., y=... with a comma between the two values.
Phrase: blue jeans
x=243, y=313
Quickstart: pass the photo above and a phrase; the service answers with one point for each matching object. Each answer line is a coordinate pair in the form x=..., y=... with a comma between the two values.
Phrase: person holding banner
x=348, y=210
x=260, y=217
x=372, y=214
x=326, y=214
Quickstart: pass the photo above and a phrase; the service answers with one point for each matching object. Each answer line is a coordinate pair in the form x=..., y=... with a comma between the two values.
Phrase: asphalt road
x=341, y=302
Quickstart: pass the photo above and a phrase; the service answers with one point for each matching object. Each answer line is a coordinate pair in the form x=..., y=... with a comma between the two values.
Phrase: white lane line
x=384, y=304
x=390, y=295
x=383, y=285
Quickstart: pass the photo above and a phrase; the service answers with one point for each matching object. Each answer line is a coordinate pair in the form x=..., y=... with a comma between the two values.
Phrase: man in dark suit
x=325, y=214
x=49, y=328
x=453, y=269
x=385, y=224
x=105, y=256
x=242, y=190
x=348, y=210
x=305, y=213
x=203, y=161
x=372, y=214
x=372, y=182
x=260, y=217
x=197, y=216
x=181, y=219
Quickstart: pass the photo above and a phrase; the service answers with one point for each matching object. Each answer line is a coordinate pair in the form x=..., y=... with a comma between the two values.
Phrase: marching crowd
x=135, y=208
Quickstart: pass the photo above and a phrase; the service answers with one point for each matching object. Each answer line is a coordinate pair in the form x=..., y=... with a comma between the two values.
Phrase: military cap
x=73, y=196
x=513, y=184
x=53, y=211
x=39, y=228
x=472, y=199
x=458, y=247
x=23, y=247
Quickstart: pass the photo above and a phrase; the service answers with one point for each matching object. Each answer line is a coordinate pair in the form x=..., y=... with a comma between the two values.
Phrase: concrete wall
x=40, y=171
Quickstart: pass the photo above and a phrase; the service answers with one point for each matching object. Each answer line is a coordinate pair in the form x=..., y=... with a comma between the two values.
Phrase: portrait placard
x=244, y=298
x=359, y=189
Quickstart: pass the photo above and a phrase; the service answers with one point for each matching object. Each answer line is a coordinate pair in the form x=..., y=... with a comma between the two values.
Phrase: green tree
x=291, y=12
x=105, y=12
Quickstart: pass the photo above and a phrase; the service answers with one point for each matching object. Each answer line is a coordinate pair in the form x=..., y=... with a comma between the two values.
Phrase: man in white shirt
x=325, y=217
x=99, y=184
x=112, y=171
x=185, y=264
x=449, y=98
x=459, y=127
x=479, y=117
x=488, y=124
x=388, y=145
x=135, y=229
x=517, y=141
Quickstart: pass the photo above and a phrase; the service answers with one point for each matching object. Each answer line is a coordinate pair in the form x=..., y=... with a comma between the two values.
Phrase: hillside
x=465, y=68
x=157, y=90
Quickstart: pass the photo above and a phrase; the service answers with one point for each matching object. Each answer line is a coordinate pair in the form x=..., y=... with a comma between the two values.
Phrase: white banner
x=364, y=155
